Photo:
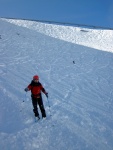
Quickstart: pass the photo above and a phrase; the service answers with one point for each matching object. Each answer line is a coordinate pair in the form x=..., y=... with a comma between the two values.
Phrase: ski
x=37, y=119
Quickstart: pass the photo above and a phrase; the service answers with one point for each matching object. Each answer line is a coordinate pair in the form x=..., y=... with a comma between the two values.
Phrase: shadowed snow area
x=75, y=65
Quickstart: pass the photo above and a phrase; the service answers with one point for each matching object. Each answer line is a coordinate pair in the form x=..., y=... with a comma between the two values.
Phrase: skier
x=36, y=87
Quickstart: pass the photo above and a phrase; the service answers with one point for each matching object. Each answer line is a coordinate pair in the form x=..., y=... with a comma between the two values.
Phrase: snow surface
x=99, y=39
x=75, y=66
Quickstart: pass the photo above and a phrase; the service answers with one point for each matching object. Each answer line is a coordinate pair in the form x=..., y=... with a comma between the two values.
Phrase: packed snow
x=75, y=65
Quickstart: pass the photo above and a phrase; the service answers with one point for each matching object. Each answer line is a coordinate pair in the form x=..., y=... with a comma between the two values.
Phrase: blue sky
x=90, y=12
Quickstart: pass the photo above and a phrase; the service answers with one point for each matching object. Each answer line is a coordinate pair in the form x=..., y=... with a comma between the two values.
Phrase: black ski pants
x=38, y=102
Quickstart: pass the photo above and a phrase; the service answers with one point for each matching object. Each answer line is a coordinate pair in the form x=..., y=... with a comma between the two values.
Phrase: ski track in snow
x=80, y=93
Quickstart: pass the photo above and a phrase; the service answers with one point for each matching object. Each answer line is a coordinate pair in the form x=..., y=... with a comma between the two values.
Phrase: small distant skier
x=36, y=88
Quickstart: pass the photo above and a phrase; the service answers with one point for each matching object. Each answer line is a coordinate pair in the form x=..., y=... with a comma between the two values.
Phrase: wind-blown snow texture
x=75, y=66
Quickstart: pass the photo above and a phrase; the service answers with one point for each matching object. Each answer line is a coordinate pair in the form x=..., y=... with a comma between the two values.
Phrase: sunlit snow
x=94, y=38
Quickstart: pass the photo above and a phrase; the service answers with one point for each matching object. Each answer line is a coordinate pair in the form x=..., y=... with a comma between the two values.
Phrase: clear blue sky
x=90, y=12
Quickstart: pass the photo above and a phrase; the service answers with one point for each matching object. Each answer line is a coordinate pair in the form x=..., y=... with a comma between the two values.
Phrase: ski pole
x=50, y=111
x=25, y=97
x=49, y=107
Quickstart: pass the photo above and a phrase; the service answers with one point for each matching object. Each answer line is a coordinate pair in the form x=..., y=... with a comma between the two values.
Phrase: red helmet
x=35, y=77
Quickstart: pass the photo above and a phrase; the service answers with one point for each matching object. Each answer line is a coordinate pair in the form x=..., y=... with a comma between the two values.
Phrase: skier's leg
x=35, y=108
x=40, y=102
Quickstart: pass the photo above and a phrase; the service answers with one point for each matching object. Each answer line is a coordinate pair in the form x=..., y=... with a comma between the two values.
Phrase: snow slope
x=78, y=78
x=99, y=39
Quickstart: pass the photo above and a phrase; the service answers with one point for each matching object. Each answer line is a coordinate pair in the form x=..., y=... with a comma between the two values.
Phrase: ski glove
x=46, y=95
x=26, y=89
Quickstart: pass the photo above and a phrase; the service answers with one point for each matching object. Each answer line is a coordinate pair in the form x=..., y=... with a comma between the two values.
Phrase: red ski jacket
x=36, y=88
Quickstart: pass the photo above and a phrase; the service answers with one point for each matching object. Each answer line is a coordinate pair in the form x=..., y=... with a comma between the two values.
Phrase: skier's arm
x=44, y=91
x=28, y=88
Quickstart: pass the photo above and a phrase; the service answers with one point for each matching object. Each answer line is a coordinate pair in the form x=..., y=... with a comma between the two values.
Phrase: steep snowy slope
x=99, y=39
x=79, y=81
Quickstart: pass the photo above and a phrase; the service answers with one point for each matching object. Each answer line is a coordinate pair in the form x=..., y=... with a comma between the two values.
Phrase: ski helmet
x=36, y=77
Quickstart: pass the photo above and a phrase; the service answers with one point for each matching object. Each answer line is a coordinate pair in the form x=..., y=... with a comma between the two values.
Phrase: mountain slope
x=94, y=38
x=77, y=78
